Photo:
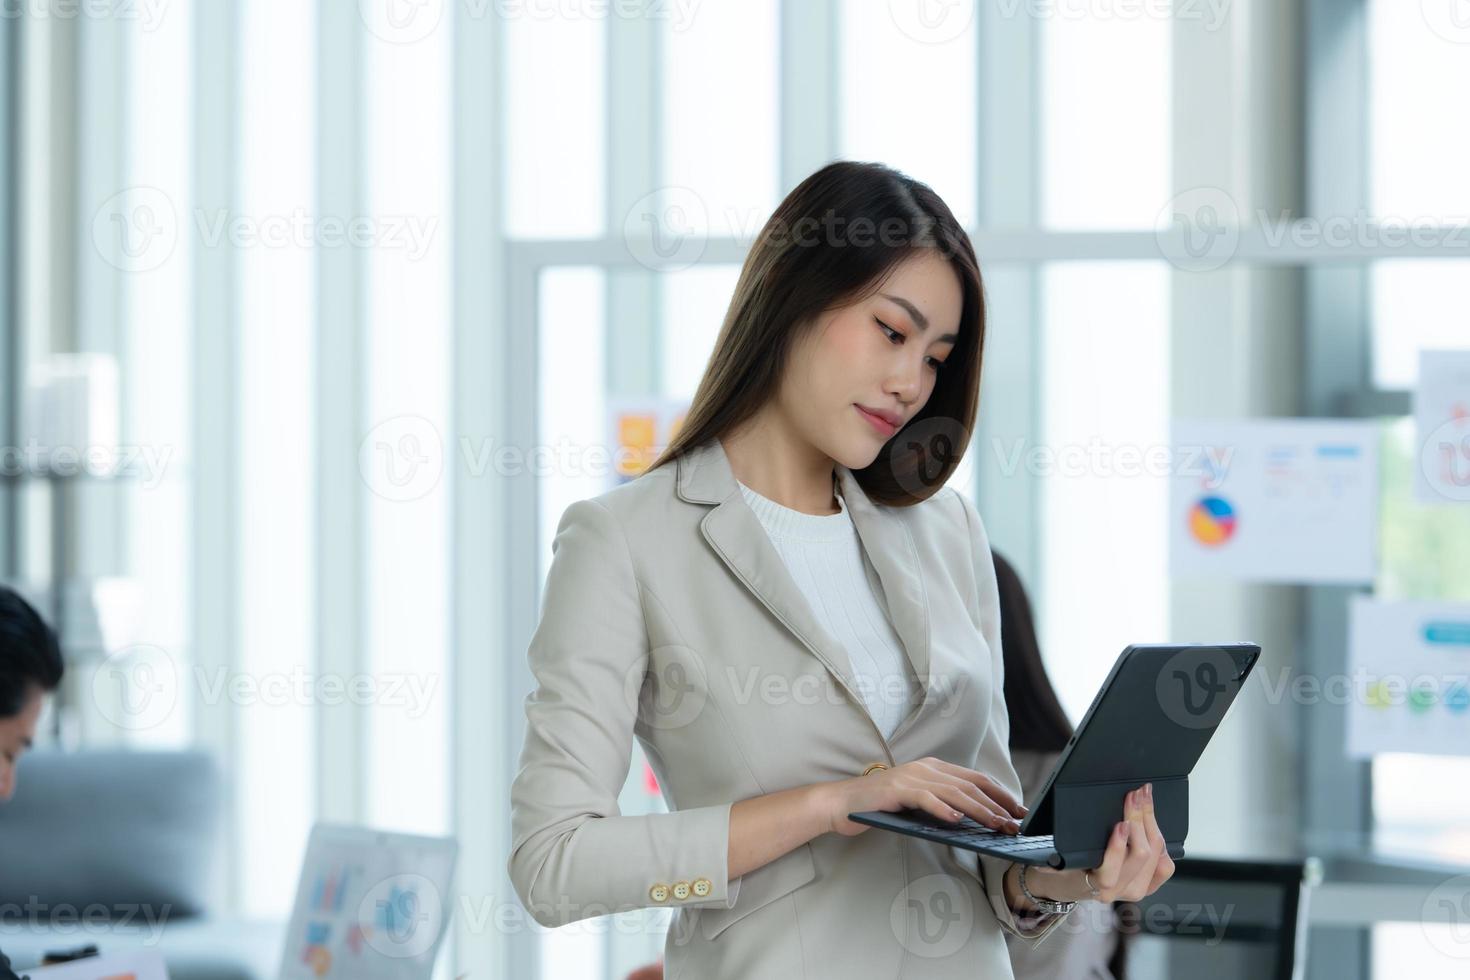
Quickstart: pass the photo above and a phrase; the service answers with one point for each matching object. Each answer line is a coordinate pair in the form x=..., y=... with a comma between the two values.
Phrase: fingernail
x=1150, y=789
x=1121, y=829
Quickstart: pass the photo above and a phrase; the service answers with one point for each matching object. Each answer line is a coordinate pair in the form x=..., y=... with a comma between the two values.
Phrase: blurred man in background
x=30, y=668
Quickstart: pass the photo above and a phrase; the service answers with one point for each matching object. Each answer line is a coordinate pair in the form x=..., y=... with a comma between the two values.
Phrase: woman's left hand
x=1137, y=860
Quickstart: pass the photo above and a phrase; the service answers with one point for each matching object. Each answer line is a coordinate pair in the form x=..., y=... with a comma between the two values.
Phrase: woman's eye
x=934, y=362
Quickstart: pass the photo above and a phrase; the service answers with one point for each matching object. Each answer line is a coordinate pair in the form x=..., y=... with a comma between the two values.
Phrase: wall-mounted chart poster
x=1408, y=671
x=1274, y=500
x=638, y=430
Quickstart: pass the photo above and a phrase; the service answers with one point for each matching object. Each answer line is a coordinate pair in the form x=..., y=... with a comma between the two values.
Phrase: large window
x=1105, y=132
x=1418, y=70
x=1105, y=330
x=555, y=168
x=1104, y=349
x=910, y=94
x=407, y=390
x=276, y=379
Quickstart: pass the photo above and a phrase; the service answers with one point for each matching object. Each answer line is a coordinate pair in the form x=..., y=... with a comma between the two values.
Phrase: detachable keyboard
x=968, y=831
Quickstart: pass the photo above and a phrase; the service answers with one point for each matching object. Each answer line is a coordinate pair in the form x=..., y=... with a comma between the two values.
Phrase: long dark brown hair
x=829, y=244
x=1038, y=723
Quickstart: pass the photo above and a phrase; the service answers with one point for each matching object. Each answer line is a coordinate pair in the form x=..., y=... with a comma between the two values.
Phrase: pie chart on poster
x=1212, y=521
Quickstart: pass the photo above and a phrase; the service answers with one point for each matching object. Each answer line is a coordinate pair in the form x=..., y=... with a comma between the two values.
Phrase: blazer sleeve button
x=702, y=887
x=681, y=889
x=659, y=893
x=874, y=768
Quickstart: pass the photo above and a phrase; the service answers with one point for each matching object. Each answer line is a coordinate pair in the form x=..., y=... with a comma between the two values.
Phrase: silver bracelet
x=1044, y=904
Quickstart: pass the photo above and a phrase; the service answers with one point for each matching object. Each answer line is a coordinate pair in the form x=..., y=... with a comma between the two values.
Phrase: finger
x=1107, y=874
x=1163, y=871
x=1139, y=867
x=1120, y=865
x=1151, y=823
x=930, y=802
x=1002, y=817
x=997, y=793
x=958, y=795
x=1135, y=842
x=1156, y=841
x=1133, y=805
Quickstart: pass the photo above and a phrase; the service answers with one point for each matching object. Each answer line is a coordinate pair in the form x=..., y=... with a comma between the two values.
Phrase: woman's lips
x=883, y=426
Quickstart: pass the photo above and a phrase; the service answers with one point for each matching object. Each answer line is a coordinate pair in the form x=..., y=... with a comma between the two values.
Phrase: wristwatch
x=1044, y=904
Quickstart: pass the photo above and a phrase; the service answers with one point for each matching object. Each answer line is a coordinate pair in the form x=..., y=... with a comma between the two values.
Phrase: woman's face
x=883, y=353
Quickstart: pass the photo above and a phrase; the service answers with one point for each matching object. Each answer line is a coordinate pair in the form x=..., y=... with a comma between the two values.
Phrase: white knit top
x=826, y=559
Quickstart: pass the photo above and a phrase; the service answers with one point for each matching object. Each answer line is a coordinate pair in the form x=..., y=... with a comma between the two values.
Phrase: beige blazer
x=669, y=616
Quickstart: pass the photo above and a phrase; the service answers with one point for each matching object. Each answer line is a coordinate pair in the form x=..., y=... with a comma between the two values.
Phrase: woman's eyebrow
x=919, y=318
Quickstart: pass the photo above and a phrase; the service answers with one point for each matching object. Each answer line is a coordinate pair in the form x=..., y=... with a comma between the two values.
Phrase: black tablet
x=1149, y=723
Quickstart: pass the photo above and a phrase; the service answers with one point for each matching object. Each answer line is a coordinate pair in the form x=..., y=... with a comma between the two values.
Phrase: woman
x=1089, y=946
x=780, y=675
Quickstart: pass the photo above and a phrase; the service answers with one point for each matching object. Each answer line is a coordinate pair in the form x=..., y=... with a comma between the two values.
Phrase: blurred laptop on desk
x=369, y=905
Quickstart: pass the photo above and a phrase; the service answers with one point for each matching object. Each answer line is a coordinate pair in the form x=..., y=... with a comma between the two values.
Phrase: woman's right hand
x=929, y=784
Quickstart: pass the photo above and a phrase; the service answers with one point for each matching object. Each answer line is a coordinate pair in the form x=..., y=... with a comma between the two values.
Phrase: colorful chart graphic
x=1212, y=521
x=328, y=896
x=315, y=954
x=640, y=429
x=329, y=889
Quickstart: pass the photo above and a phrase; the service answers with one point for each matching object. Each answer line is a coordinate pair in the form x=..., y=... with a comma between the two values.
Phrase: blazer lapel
x=890, y=548
x=737, y=536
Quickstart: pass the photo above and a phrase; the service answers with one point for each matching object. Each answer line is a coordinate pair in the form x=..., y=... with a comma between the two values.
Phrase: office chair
x=1229, y=918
